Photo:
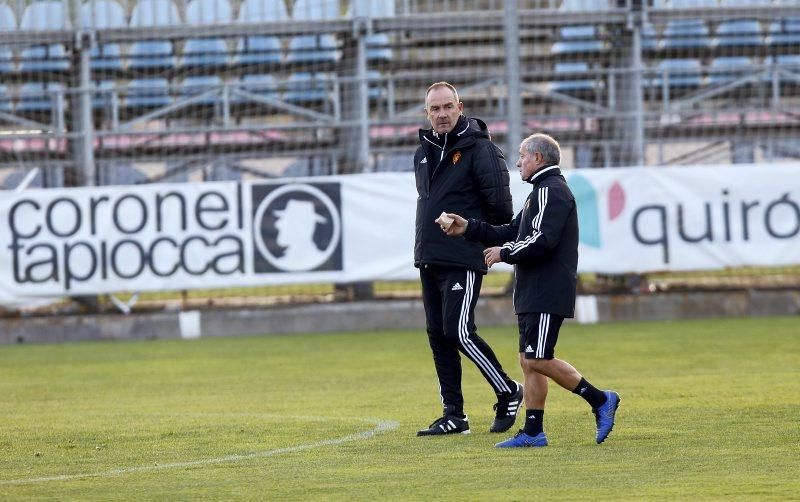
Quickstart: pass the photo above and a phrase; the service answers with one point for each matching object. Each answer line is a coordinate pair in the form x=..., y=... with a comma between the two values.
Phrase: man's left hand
x=491, y=256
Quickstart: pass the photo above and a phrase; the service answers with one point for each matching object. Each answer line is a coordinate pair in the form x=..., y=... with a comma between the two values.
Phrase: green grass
x=709, y=411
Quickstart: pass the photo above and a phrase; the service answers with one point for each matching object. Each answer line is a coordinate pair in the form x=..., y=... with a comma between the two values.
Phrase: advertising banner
x=77, y=241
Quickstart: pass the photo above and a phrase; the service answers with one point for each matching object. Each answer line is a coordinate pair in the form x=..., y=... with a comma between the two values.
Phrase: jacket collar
x=446, y=139
x=544, y=173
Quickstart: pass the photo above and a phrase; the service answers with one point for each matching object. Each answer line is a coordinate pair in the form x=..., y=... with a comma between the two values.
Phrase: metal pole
x=85, y=162
x=511, y=25
x=363, y=103
x=638, y=96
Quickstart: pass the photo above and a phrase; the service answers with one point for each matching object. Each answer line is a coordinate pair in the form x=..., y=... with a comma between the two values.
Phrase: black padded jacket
x=460, y=172
x=542, y=244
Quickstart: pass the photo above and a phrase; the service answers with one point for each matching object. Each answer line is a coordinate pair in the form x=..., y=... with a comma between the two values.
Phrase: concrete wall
x=377, y=315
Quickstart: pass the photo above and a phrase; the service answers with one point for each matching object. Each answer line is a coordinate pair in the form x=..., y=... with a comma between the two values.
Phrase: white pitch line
x=381, y=426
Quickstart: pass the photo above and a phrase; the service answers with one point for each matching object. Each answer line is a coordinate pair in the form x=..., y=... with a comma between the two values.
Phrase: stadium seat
x=39, y=97
x=576, y=84
x=378, y=44
x=681, y=73
x=314, y=48
x=99, y=14
x=739, y=32
x=15, y=178
x=682, y=33
x=371, y=8
x=153, y=54
x=307, y=88
x=261, y=49
x=206, y=52
x=264, y=85
x=580, y=38
x=193, y=86
x=8, y=22
x=148, y=93
x=575, y=39
x=726, y=69
x=121, y=173
x=44, y=16
x=687, y=4
x=5, y=99
x=585, y=5
x=784, y=32
x=649, y=37
x=102, y=97
x=790, y=61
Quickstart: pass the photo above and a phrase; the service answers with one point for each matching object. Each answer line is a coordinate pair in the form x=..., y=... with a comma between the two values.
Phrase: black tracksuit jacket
x=542, y=244
x=460, y=172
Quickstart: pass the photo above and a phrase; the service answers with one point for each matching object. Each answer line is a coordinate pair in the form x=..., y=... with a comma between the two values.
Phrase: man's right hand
x=457, y=228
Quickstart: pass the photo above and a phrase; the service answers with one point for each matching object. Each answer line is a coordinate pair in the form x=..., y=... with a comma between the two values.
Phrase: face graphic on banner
x=297, y=227
x=296, y=224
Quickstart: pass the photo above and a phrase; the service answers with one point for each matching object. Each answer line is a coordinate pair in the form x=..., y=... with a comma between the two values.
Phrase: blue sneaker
x=522, y=440
x=604, y=415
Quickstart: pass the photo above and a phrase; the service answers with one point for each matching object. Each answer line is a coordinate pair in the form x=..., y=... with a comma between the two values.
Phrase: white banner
x=61, y=242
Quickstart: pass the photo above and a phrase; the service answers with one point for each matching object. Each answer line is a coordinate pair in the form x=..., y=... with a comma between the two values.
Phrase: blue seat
x=378, y=44
x=153, y=54
x=575, y=39
x=727, y=69
x=39, y=96
x=307, y=88
x=314, y=48
x=8, y=22
x=575, y=84
x=683, y=33
x=784, y=32
x=102, y=97
x=207, y=52
x=120, y=173
x=14, y=179
x=148, y=93
x=681, y=73
x=5, y=100
x=44, y=16
x=261, y=49
x=580, y=38
x=101, y=14
x=649, y=37
x=263, y=85
x=789, y=61
x=687, y=4
x=739, y=33
x=193, y=86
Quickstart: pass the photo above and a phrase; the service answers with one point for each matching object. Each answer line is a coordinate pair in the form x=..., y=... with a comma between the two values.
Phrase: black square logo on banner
x=297, y=227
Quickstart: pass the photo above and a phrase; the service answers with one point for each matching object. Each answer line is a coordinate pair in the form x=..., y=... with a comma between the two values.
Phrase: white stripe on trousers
x=463, y=336
x=544, y=326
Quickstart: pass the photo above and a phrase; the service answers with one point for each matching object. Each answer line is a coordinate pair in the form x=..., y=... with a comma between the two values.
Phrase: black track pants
x=450, y=296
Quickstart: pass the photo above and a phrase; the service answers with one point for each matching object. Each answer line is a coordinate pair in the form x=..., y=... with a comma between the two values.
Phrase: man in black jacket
x=542, y=244
x=458, y=169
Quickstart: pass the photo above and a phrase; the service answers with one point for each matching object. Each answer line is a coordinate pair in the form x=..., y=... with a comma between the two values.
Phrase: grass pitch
x=709, y=410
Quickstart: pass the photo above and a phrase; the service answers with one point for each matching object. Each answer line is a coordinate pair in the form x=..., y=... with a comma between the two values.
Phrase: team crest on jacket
x=456, y=157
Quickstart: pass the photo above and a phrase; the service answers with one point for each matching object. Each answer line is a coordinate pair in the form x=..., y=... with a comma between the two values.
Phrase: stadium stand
x=290, y=68
x=8, y=23
x=103, y=14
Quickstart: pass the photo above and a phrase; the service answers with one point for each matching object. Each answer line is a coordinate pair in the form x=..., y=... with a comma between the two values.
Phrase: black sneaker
x=448, y=424
x=506, y=410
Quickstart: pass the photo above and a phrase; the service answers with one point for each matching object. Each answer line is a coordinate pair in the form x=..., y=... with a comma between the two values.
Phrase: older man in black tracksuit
x=542, y=244
x=458, y=169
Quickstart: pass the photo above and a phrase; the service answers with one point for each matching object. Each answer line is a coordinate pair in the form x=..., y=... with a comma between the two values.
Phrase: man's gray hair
x=545, y=145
